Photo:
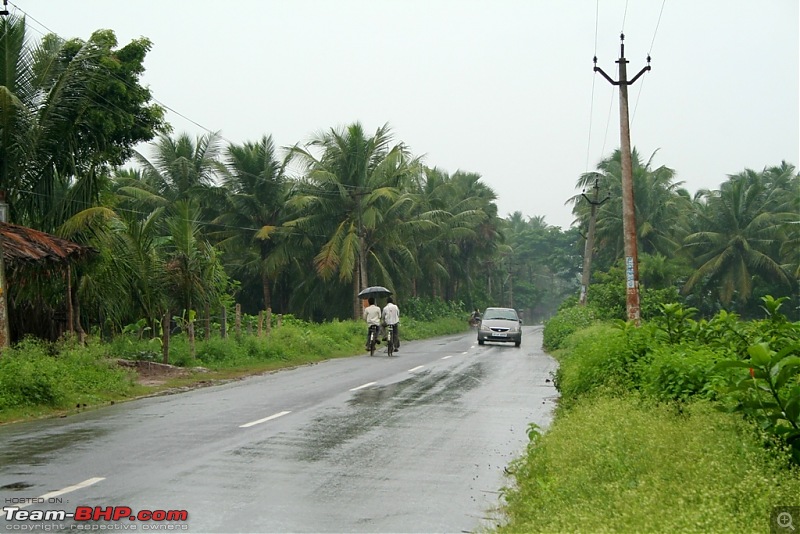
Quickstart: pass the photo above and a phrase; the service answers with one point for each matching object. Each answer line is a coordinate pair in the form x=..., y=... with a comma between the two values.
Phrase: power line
x=624, y=17
x=125, y=82
x=594, y=79
x=608, y=121
x=652, y=42
x=663, y=2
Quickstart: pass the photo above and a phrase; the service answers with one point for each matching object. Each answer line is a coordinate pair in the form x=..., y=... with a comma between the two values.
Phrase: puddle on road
x=380, y=405
x=41, y=449
x=366, y=410
x=16, y=486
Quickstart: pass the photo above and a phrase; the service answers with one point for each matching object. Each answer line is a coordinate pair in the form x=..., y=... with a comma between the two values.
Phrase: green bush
x=681, y=372
x=598, y=358
x=31, y=380
x=36, y=373
x=564, y=323
x=626, y=465
x=429, y=309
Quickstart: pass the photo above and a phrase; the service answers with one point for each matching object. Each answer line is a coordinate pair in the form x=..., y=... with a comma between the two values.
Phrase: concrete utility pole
x=628, y=209
x=589, y=250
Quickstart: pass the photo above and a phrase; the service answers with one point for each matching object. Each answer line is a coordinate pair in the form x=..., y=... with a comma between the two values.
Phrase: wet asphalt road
x=416, y=443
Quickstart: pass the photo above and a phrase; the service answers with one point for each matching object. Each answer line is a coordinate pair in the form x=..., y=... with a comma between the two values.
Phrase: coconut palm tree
x=662, y=208
x=350, y=185
x=738, y=237
x=456, y=231
x=251, y=221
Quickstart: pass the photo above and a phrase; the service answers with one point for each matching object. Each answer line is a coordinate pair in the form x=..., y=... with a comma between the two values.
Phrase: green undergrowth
x=627, y=464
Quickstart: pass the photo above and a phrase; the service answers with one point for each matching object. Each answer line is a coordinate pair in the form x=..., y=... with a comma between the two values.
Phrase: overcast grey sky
x=503, y=88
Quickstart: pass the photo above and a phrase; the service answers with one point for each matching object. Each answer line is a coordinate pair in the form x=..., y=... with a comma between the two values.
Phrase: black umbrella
x=374, y=291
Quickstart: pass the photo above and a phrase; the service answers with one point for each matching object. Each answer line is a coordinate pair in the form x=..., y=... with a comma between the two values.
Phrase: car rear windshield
x=511, y=315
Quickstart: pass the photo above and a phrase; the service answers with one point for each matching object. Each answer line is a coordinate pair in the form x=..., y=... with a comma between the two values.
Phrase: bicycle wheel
x=372, y=342
x=389, y=340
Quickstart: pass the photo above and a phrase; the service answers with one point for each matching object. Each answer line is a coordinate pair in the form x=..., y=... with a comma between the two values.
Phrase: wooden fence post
x=238, y=320
x=223, y=327
x=208, y=322
x=260, y=323
x=165, y=336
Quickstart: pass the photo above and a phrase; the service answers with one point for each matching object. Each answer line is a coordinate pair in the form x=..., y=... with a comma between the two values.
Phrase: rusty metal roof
x=22, y=244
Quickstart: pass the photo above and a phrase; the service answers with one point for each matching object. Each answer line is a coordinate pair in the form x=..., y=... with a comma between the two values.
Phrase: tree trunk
x=357, y=303
x=191, y=338
x=78, y=326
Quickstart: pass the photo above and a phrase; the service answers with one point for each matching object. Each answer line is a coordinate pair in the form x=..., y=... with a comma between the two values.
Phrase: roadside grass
x=41, y=379
x=627, y=464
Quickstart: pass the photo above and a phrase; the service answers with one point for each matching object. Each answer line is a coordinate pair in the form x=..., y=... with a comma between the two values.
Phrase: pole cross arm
x=627, y=82
x=595, y=202
x=606, y=76
x=645, y=69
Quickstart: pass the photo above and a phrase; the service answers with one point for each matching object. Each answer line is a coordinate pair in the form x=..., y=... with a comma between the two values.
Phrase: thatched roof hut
x=26, y=245
x=30, y=255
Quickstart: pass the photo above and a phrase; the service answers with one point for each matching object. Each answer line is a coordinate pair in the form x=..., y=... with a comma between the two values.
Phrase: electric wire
x=649, y=52
x=109, y=106
x=608, y=120
x=594, y=80
x=113, y=108
x=153, y=98
x=624, y=17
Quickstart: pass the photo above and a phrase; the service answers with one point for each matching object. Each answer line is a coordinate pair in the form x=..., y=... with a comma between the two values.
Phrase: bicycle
x=373, y=339
x=389, y=340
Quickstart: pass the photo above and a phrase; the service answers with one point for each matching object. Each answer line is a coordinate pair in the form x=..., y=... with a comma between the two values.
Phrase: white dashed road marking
x=44, y=498
x=362, y=386
x=270, y=418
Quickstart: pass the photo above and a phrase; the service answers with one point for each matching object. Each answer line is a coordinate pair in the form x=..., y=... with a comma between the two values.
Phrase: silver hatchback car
x=500, y=324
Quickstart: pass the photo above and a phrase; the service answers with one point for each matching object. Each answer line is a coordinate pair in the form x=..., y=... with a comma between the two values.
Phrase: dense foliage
x=192, y=225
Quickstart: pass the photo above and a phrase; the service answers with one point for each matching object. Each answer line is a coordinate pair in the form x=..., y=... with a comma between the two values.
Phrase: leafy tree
x=69, y=110
x=345, y=196
x=545, y=264
x=662, y=208
x=257, y=191
x=458, y=233
x=740, y=230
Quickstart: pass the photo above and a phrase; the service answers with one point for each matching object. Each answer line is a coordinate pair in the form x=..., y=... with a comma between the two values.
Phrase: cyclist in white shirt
x=391, y=318
x=372, y=315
